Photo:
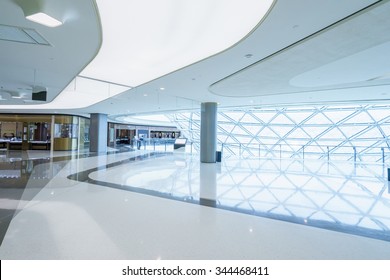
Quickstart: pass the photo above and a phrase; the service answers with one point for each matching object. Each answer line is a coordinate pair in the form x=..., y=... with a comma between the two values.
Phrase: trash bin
x=218, y=156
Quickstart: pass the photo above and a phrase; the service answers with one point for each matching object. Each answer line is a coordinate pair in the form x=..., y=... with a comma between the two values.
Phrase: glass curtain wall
x=346, y=132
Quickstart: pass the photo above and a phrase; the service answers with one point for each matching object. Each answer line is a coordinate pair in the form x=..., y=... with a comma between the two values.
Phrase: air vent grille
x=21, y=35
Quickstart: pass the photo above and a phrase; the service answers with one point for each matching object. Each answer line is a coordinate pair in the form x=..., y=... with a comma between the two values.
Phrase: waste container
x=218, y=156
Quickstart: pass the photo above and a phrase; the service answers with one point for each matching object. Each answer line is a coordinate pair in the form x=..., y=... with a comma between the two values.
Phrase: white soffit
x=144, y=40
x=368, y=65
x=80, y=93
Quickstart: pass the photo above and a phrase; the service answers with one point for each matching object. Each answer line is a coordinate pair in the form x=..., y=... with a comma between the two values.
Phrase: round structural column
x=208, y=132
x=98, y=133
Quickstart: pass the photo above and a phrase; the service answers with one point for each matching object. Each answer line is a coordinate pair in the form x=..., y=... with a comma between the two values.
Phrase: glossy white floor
x=152, y=207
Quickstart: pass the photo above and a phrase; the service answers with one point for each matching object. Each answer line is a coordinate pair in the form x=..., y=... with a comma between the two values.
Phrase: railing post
x=354, y=154
x=303, y=152
x=165, y=145
x=259, y=149
x=383, y=155
x=240, y=150
x=327, y=147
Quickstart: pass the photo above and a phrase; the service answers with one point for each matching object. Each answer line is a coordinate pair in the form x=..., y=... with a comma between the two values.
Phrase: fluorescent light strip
x=44, y=19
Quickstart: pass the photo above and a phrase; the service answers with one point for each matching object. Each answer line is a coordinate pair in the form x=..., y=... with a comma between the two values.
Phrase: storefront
x=124, y=134
x=43, y=132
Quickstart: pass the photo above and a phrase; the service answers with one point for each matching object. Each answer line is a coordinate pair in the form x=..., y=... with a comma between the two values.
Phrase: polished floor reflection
x=140, y=205
x=343, y=196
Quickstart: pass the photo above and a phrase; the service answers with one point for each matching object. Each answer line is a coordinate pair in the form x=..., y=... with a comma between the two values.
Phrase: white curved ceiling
x=274, y=65
x=157, y=38
x=144, y=40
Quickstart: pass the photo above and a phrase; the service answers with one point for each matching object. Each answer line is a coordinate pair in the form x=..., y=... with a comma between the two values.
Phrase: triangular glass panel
x=281, y=130
x=386, y=129
x=238, y=130
x=265, y=116
x=379, y=115
x=281, y=119
x=253, y=129
x=351, y=131
x=318, y=119
x=248, y=118
x=372, y=133
x=195, y=116
x=235, y=115
x=298, y=117
x=228, y=128
x=334, y=133
x=362, y=117
x=298, y=133
x=338, y=115
x=314, y=131
x=266, y=132
x=222, y=118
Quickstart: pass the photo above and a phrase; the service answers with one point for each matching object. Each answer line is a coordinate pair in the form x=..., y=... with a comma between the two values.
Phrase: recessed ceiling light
x=44, y=19
x=162, y=88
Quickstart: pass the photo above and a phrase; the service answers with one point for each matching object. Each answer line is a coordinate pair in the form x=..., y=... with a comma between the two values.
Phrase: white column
x=208, y=132
x=98, y=133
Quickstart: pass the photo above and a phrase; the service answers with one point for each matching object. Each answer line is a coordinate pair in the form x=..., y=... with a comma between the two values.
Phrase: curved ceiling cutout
x=144, y=40
x=350, y=54
x=367, y=65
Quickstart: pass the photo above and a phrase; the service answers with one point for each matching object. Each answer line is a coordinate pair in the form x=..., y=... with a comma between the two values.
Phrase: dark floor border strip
x=84, y=177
